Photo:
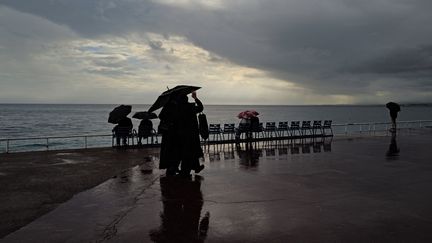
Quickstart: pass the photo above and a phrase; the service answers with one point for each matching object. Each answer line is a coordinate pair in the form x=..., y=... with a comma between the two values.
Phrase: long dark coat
x=181, y=141
x=188, y=132
x=170, y=151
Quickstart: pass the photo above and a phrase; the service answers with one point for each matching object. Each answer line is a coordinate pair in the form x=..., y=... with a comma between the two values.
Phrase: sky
x=270, y=52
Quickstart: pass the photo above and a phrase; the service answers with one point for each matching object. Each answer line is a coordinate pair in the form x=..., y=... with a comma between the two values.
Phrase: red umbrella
x=248, y=114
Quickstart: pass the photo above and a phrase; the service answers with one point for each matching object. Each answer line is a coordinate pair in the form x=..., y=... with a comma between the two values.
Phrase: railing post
x=47, y=144
x=85, y=142
x=7, y=146
x=346, y=128
x=360, y=128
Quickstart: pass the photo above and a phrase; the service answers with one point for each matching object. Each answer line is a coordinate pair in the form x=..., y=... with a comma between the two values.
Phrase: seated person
x=145, y=130
x=122, y=130
x=244, y=126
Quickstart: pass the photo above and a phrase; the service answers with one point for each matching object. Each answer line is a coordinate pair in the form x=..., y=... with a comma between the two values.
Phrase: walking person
x=168, y=126
x=394, y=108
x=188, y=133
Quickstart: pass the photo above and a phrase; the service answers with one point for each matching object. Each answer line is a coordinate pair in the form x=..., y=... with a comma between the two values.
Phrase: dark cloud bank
x=333, y=47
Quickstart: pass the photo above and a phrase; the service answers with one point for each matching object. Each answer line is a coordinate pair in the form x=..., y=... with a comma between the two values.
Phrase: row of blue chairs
x=305, y=128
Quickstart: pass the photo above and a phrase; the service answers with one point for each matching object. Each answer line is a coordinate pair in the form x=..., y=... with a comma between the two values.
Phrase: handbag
x=203, y=126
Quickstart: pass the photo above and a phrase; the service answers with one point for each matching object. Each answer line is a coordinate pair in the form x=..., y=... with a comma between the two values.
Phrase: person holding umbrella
x=145, y=128
x=188, y=133
x=124, y=124
x=179, y=128
x=394, y=108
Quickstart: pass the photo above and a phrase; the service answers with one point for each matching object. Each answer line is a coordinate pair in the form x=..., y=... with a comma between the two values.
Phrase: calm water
x=35, y=120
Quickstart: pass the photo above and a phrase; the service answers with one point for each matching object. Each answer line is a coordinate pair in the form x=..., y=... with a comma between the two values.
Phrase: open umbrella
x=165, y=96
x=393, y=106
x=247, y=114
x=144, y=115
x=118, y=113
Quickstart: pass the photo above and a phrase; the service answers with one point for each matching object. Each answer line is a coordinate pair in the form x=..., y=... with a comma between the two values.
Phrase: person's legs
x=393, y=116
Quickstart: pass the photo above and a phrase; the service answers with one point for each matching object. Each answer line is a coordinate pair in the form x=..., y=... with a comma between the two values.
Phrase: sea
x=62, y=120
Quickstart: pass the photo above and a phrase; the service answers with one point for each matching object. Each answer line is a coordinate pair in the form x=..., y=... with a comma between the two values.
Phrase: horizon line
x=372, y=104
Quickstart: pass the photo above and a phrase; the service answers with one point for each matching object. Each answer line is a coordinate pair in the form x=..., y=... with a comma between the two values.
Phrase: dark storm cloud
x=331, y=46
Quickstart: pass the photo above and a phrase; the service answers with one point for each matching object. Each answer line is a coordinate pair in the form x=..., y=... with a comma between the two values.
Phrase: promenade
x=363, y=189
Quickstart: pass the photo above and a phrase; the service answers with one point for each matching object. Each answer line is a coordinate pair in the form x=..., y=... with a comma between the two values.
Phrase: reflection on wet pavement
x=249, y=154
x=393, y=150
x=181, y=219
x=259, y=192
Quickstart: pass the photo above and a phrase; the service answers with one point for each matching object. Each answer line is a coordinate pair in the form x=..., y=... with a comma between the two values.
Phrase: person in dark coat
x=188, y=134
x=122, y=130
x=145, y=129
x=168, y=126
x=394, y=108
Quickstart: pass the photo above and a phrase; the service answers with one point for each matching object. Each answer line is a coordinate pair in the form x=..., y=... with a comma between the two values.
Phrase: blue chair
x=295, y=127
x=316, y=126
x=306, y=126
x=282, y=128
x=215, y=130
x=270, y=129
x=229, y=129
x=327, y=126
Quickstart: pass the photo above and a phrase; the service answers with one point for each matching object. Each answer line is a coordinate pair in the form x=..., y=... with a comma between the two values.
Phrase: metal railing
x=372, y=127
x=48, y=144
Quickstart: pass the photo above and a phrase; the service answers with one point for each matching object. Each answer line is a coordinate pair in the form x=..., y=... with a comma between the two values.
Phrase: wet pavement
x=369, y=189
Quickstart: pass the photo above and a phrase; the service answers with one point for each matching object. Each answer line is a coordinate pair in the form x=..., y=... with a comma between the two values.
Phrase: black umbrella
x=176, y=91
x=144, y=115
x=393, y=106
x=118, y=113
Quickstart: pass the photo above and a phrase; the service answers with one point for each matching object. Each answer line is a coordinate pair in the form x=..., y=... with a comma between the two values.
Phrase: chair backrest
x=270, y=126
x=123, y=131
x=327, y=123
x=295, y=124
x=317, y=123
x=214, y=128
x=306, y=124
x=229, y=128
x=283, y=126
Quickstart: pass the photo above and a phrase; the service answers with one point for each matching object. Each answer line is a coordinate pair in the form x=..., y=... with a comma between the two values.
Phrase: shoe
x=199, y=169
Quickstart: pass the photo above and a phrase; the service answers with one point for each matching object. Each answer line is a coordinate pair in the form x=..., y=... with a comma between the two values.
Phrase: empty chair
x=270, y=129
x=327, y=126
x=282, y=128
x=215, y=130
x=295, y=127
x=229, y=129
x=317, y=127
x=306, y=126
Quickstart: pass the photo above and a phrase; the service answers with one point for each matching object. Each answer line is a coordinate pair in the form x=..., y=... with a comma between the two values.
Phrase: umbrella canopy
x=144, y=115
x=176, y=91
x=118, y=113
x=393, y=106
x=247, y=114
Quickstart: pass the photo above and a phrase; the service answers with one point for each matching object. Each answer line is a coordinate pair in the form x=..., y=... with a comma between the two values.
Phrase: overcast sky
x=239, y=51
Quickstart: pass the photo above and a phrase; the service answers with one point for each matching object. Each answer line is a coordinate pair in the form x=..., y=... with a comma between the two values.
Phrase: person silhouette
x=122, y=130
x=188, y=134
x=182, y=205
x=145, y=129
x=168, y=126
x=394, y=108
